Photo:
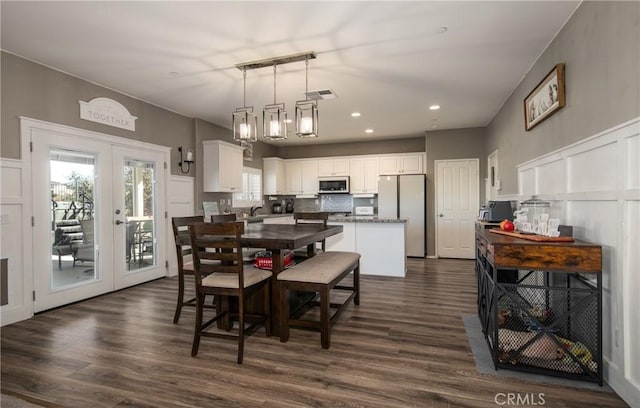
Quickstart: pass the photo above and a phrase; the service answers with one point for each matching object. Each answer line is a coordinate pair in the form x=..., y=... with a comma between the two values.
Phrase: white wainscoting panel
x=632, y=147
x=527, y=182
x=631, y=291
x=550, y=177
x=593, y=170
x=594, y=185
x=12, y=235
x=181, y=194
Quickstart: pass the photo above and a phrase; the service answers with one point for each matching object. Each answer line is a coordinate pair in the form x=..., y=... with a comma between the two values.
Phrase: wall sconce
x=185, y=158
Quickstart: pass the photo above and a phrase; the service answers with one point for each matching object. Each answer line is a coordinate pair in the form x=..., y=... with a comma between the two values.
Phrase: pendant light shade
x=307, y=112
x=306, y=119
x=274, y=117
x=245, y=122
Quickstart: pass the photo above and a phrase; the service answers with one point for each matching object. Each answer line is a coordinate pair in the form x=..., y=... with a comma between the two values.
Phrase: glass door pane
x=72, y=176
x=139, y=209
x=139, y=240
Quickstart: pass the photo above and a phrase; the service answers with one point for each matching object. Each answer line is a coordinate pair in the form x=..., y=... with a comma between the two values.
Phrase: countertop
x=334, y=218
x=366, y=218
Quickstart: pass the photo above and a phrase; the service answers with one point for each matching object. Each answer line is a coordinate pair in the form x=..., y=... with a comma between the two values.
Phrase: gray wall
x=405, y=145
x=600, y=48
x=449, y=145
x=38, y=92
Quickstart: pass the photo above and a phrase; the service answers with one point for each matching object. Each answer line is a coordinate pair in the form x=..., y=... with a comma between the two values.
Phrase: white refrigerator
x=405, y=197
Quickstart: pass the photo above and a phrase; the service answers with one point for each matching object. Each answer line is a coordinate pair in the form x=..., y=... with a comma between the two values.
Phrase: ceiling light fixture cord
x=274, y=83
x=306, y=79
x=244, y=90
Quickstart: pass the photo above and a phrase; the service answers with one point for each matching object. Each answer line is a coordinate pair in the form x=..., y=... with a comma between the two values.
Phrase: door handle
x=440, y=215
x=118, y=222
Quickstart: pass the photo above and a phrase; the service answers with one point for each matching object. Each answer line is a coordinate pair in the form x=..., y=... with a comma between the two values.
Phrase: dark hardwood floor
x=404, y=346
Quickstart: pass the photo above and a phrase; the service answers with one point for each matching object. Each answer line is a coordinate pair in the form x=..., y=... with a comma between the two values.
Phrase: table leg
x=275, y=292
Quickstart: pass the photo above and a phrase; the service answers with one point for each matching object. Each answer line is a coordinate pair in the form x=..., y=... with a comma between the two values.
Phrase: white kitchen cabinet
x=333, y=167
x=302, y=177
x=401, y=164
x=222, y=167
x=274, y=176
x=364, y=174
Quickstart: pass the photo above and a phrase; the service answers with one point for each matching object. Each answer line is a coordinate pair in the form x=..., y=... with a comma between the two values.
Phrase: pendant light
x=307, y=112
x=245, y=122
x=274, y=117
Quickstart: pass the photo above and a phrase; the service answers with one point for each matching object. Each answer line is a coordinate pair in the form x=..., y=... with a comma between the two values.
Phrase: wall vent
x=321, y=94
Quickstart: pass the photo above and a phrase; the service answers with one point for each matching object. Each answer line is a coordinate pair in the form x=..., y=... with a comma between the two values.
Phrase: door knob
x=440, y=215
x=118, y=222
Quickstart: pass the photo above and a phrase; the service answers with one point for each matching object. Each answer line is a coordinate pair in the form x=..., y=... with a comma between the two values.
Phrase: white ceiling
x=386, y=60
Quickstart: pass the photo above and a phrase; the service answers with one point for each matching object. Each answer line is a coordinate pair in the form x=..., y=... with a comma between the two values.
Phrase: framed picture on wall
x=546, y=98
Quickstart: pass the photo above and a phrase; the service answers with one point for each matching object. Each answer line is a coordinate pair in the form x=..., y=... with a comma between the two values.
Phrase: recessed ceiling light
x=442, y=30
x=434, y=107
x=434, y=126
x=355, y=115
x=174, y=73
x=369, y=131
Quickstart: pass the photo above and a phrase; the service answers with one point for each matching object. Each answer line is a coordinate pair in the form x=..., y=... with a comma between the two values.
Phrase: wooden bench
x=320, y=273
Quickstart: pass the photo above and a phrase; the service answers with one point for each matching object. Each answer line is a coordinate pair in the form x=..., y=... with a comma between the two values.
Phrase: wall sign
x=108, y=112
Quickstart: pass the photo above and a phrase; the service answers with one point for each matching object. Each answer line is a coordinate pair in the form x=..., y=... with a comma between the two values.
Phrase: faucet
x=254, y=209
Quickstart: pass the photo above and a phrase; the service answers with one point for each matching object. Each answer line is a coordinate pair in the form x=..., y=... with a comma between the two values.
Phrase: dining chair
x=311, y=218
x=185, y=264
x=85, y=251
x=219, y=271
x=248, y=254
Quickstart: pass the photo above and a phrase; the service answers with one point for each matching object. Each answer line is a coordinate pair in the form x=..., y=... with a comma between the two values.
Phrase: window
x=251, y=188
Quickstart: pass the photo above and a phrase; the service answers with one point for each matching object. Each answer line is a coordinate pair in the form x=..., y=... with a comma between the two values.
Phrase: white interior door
x=99, y=216
x=457, y=204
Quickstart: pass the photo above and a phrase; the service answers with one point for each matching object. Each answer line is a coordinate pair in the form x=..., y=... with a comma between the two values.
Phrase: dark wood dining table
x=278, y=237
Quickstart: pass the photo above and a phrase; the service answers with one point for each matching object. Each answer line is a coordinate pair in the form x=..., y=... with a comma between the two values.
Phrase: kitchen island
x=380, y=241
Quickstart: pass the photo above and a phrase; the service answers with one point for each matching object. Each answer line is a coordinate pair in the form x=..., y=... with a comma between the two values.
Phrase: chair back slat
x=223, y=217
x=219, y=242
x=313, y=218
x=180, y=227
x=307, y=217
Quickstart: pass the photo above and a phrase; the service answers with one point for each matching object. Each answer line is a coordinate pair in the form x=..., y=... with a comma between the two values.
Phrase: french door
x=99, y=216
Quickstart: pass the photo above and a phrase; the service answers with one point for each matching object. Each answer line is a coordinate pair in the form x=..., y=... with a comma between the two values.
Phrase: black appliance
x=497, y=211
x=276, y=208
x=289, y=207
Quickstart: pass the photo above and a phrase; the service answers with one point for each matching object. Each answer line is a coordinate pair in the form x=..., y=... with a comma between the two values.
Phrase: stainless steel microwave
x=333, y=185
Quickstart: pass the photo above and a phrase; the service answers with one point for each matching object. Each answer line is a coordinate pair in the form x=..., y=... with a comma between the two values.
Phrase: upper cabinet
x=401, y=164
x=364, y=175
x=274, y=176
x=302, y=176
x=222, y=167
x=338, y=166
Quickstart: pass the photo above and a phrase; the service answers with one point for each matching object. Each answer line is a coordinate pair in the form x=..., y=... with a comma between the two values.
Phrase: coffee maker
x=276, y=208
x=289, y=207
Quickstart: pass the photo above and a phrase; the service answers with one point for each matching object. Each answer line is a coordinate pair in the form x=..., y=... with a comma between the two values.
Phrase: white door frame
x=27, y=127
x=493, y=180
x=435, y=172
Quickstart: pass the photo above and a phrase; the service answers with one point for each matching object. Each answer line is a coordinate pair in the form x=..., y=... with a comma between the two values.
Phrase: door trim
x=435, y=192
x=27, y=126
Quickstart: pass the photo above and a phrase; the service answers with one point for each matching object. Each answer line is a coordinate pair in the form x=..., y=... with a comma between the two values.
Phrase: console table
x=540, y=304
